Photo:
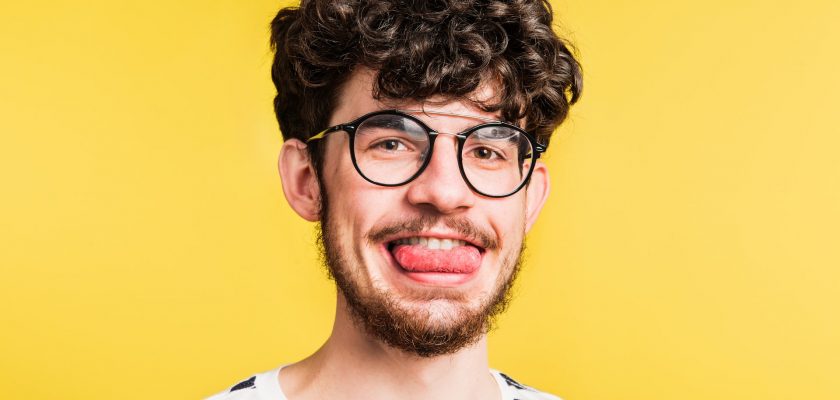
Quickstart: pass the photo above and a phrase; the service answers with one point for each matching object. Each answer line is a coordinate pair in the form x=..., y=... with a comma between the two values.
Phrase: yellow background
x=689, y=249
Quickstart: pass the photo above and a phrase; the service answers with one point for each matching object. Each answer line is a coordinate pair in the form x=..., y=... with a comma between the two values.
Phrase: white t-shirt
x=266, y=386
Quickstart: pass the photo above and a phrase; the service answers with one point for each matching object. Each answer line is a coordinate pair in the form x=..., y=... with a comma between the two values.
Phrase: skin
x=352, y=364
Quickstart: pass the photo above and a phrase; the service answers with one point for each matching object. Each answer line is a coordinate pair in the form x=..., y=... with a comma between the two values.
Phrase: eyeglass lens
x=390, y=149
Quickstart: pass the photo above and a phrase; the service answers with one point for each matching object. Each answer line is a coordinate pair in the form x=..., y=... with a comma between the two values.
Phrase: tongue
x=417, y=258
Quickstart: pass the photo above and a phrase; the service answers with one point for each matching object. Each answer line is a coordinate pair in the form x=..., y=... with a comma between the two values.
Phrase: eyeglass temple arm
x=320, y=135
x=539, y=149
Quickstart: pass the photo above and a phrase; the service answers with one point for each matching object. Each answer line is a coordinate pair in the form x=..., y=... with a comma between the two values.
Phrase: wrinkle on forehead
x=359, y=87
x=485, y=94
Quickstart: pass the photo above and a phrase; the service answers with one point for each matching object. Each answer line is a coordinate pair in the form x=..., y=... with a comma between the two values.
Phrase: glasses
x=392, y=148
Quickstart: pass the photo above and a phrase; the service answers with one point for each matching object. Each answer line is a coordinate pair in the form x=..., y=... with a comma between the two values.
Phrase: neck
x=352, y=364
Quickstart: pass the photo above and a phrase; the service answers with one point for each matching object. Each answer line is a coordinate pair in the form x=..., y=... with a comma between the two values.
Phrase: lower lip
x=431, y=278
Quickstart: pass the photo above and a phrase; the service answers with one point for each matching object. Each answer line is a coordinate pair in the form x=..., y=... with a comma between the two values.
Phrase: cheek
x=355, y=205
x=508, y=220
x=362, y=208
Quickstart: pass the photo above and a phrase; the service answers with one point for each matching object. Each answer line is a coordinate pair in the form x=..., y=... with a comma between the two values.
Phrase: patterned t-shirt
x=266, y=386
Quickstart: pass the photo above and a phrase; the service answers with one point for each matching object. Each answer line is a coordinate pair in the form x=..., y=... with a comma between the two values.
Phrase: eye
x=484, y=153
x=390, y=145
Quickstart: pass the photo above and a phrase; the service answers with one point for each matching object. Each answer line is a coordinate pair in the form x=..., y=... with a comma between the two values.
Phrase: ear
x=536, y=193
x=300, y=184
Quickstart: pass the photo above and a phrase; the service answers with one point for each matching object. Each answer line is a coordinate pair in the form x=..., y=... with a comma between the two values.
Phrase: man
x=392, y=114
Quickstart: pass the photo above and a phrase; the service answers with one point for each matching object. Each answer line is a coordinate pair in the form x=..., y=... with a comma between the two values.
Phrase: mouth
x=435, y=259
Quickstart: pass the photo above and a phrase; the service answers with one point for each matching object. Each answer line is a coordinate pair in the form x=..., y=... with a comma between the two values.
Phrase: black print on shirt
x=246, y=384
x=512, y=382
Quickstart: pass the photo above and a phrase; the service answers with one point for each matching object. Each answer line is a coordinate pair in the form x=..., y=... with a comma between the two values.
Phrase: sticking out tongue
x=418, y=258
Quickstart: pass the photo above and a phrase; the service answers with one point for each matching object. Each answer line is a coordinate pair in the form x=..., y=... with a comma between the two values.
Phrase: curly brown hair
x=421, y=49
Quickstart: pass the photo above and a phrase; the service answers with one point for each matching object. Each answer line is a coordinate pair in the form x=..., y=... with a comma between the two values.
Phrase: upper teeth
x=432, y=243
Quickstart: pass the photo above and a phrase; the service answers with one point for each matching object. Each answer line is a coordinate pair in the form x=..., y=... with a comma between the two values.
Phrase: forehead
x=356, y=99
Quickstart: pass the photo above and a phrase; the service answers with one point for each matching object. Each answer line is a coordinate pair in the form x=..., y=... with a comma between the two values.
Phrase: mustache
x=417, y=225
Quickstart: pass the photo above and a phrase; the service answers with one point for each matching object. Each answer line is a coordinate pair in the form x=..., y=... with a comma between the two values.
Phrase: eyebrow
x=382, y=123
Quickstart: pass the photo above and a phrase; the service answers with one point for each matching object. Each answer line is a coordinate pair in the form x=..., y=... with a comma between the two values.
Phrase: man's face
x=377, y=239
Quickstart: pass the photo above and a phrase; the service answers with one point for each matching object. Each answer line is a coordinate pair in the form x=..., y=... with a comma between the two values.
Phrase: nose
x=441, y=187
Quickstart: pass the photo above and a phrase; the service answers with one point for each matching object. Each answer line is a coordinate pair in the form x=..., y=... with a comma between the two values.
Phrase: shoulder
x=511, y=389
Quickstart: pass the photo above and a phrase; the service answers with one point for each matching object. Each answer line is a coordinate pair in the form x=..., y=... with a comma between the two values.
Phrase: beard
x=445, y=321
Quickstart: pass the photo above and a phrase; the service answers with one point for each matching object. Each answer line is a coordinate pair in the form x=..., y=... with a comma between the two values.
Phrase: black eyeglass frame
x=350, y=128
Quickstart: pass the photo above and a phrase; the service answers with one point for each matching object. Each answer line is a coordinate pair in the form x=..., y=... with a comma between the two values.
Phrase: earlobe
x=300, y=184
x=536, y=194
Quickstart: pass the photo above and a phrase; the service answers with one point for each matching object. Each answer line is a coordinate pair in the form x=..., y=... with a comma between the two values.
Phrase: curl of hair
x=422, y=49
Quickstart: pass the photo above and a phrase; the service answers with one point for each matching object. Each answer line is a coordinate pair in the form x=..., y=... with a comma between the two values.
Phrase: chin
x=439, y=312
x=443, y=311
